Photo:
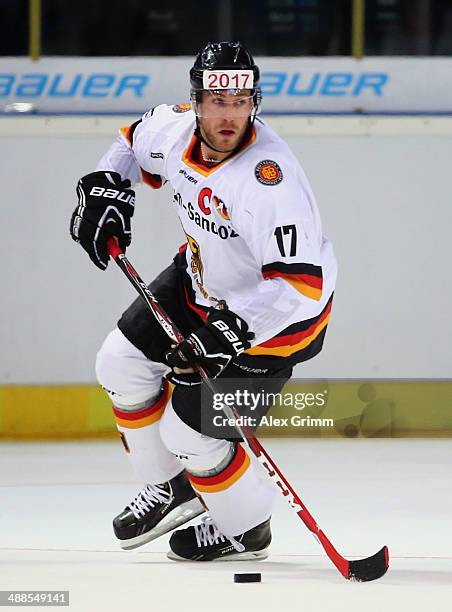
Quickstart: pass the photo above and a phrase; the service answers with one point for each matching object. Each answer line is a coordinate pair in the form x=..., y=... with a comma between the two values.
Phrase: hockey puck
x=247, y=578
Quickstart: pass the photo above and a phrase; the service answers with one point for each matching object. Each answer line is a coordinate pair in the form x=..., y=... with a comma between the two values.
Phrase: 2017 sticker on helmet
x=228, y=79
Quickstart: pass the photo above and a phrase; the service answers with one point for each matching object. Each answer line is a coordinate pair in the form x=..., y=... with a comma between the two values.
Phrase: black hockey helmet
x=224, y=56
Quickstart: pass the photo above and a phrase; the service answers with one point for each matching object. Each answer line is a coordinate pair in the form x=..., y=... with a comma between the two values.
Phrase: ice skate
x=157, y=509
x=205, y=542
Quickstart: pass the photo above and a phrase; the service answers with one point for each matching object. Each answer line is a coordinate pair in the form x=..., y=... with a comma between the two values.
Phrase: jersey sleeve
x=130, y=154
x=281, y=225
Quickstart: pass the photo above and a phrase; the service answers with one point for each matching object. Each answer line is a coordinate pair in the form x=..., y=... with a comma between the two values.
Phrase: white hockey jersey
x=253, y=230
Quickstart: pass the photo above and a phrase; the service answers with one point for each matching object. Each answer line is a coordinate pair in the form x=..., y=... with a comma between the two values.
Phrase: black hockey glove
x=224, y=336
x=106, y=206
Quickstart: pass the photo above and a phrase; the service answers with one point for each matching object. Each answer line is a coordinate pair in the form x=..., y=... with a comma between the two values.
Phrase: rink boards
x=382, y=185
x=353, y=409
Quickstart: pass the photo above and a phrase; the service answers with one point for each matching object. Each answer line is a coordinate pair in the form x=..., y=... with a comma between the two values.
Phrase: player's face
x=223, y=117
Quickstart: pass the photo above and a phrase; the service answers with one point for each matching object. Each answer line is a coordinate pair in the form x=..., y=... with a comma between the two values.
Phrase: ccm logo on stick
x=114, y=194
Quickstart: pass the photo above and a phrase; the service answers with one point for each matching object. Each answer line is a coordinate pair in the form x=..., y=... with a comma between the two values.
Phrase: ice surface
x=58, y=499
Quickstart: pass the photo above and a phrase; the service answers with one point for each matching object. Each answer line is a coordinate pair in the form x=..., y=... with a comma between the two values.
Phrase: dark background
x=269, y=27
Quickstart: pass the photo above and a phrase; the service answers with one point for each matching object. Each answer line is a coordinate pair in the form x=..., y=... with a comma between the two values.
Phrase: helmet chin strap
x=199, y=135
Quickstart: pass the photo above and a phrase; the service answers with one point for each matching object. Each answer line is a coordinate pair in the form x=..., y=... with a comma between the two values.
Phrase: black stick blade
x=371, y=568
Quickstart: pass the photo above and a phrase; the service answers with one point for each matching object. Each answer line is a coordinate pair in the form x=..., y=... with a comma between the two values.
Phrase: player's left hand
x=224, y=336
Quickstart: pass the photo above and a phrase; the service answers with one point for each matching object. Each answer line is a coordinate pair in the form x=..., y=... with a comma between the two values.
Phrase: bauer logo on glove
x=230, y=336
x=122, y=196
x=224, y=336
x=105, y=209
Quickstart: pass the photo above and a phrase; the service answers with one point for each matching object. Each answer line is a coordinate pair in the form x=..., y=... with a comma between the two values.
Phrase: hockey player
x=251, y=290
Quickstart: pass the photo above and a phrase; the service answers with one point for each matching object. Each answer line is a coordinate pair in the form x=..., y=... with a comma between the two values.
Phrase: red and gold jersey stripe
x=226, y=478
x=146, y=416
x=305, y=278
x=152, y=180
x=128, y=131
x=286, y=344
x=202, y=314
x=296, y=338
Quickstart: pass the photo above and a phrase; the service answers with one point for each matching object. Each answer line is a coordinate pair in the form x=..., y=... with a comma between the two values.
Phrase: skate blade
x=177, y=517
x=255, y=555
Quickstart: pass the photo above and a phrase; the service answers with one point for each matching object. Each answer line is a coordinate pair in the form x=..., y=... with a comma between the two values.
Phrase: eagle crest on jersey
x=181, y=108
x=196, y=262
x=268, y=172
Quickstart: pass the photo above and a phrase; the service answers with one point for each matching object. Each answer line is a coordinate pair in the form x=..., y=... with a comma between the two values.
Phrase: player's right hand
x=224, y=336
x=106, y=206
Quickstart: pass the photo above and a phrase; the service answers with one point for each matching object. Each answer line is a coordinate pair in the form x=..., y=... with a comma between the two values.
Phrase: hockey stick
x=362, y=570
